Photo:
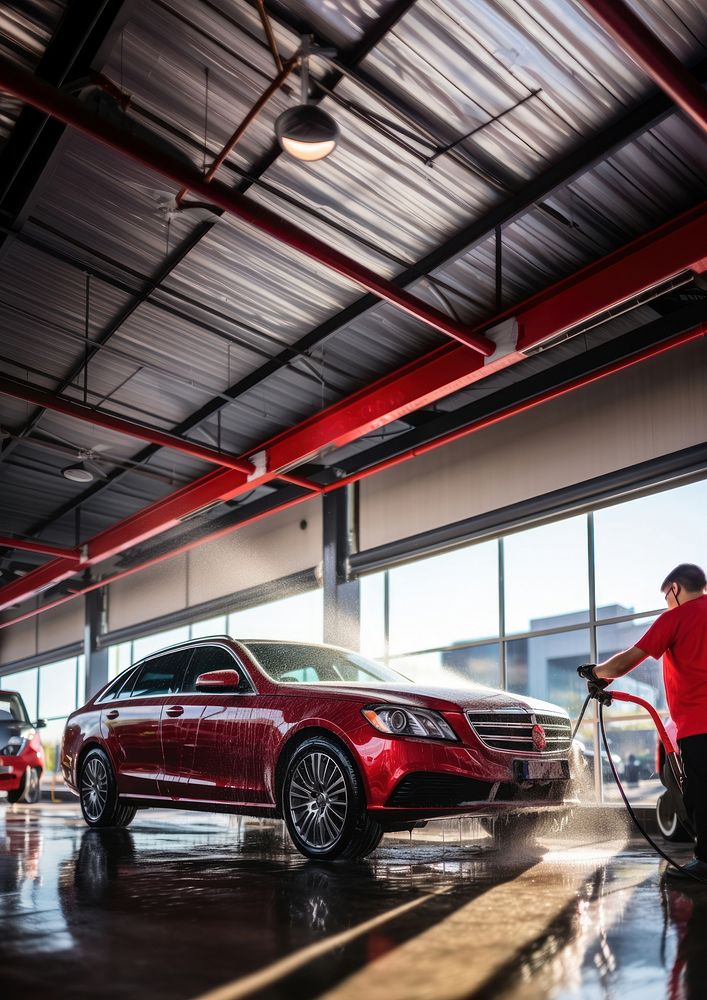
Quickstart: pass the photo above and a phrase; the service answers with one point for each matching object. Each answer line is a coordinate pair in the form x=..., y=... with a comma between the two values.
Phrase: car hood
x=413, y=696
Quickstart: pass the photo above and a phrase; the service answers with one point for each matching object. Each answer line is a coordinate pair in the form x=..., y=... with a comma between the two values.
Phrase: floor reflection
x=175, y=906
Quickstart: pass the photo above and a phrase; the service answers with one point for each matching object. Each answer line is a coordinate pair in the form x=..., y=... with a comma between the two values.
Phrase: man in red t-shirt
x=679, y=635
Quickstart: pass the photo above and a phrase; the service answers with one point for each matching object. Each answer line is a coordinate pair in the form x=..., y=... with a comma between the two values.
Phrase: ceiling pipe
x=478, y=425
x=269, y=34
x=248, y=120
x=8, y=542
x=68, y=110
x=18, y=389
x=654, y=58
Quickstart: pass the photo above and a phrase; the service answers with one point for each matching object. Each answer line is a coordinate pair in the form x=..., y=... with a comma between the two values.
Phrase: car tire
x=324, y=804
x=668, y=823
x=29, y=789
x=98, y=793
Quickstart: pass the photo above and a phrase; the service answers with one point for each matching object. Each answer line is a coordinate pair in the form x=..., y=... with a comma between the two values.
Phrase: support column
x=342, y=602
x=96, y=658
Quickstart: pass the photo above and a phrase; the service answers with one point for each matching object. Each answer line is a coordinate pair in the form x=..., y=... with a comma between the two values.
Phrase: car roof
x=187, y=643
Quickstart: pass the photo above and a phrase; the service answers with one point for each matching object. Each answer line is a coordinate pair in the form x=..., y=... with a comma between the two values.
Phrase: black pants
x=694, y=758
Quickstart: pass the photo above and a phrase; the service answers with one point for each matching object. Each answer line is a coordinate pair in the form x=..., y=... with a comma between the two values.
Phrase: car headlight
x=421, y=722
x=14, y=747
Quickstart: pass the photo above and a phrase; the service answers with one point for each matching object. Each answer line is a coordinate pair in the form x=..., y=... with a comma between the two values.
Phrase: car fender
x=315, y=724
x=83, y=732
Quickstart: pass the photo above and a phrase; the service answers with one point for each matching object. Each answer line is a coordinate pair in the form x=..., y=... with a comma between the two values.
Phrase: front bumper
x=416, y=778
x=12, y=771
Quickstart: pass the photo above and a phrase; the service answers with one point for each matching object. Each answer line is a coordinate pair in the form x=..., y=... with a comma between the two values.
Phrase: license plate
x=4, y=769
x=541, y=770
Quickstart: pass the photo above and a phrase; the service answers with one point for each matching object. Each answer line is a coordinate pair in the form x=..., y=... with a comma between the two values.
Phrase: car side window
x=302, y=675
x=159, y=674
x=120, y=687
x=206, y=659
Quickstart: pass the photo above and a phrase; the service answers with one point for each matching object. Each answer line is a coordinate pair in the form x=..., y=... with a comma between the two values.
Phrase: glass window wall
x=546, y=576
x=637, y=544
x=444, y=600
x=577, y=589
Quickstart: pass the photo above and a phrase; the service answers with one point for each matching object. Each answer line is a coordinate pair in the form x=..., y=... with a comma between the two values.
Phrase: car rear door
x=131, y=723
x=227, y=764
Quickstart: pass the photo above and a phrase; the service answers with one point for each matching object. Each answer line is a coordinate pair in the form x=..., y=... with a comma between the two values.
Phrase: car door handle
x=113, y=714
x=175, y=711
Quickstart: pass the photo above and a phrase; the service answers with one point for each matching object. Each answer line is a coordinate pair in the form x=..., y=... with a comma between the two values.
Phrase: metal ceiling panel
x=161, y=62
x=26, y=28
x=238, y=299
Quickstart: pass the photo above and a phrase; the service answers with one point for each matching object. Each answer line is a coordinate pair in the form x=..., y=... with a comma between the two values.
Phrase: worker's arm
x=619, y=664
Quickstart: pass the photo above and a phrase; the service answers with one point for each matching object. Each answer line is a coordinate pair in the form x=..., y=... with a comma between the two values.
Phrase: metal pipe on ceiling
x=18, y=389
x=655, y=58
x=71, y=112
x=515, y=410
x=249, y=118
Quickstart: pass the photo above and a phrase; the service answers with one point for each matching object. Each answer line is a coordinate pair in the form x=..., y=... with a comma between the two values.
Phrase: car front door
x=131, y=723
x=226, y=765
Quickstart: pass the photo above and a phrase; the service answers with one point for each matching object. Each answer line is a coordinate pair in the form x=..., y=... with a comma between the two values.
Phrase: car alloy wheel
x=318, y=801
x=94, y=789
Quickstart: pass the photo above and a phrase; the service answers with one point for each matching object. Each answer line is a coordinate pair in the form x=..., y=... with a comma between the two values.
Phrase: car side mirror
x=218, y=680
x=40, y=724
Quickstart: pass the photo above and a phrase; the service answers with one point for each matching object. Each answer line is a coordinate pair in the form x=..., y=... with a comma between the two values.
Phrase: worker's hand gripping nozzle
x=595, y=685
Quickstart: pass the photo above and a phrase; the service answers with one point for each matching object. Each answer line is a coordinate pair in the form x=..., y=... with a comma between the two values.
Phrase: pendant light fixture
x=306, y=132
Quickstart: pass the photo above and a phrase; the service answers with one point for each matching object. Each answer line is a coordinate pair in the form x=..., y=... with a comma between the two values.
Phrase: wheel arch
x=296, y=740
x=92, y=744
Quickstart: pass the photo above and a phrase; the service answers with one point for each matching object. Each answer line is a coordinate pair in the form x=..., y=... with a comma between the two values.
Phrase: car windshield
x=292, y=663
x=12, y=708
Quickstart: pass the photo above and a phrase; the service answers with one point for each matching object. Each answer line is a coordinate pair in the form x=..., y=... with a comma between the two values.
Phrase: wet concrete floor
x=184, y=905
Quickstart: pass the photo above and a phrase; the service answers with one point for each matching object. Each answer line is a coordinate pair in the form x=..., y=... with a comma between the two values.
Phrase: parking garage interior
x=377, y=326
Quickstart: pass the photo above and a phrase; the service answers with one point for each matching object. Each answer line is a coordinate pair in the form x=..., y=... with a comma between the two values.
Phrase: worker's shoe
x=695, y=869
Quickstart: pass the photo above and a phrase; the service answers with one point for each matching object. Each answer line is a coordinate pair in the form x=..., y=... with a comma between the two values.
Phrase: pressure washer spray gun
x=675, y=775
x=598, y=689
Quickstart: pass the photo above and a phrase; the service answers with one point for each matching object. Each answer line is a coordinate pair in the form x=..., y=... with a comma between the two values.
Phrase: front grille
x=423, y=790
x=513, y=731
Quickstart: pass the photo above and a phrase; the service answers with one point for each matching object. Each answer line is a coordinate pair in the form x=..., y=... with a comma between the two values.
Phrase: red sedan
x=340, y=746
x=21, y=753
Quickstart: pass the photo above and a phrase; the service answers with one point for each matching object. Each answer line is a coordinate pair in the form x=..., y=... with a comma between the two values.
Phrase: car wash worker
x=679, y=635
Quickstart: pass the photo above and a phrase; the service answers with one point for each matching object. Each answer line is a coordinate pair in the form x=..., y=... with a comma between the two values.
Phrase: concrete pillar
x=342, y=601
x=96, y=658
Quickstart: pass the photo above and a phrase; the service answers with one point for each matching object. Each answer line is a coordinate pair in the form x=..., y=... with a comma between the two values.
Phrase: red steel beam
x=678, y=246
x=517, y=408
x=478, y=425
x=73, y=113
x=655, y=58
x=8, y=542
x=662, y=254
x=71, y=408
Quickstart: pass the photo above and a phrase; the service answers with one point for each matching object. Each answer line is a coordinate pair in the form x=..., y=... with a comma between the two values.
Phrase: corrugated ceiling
x=532, y=81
